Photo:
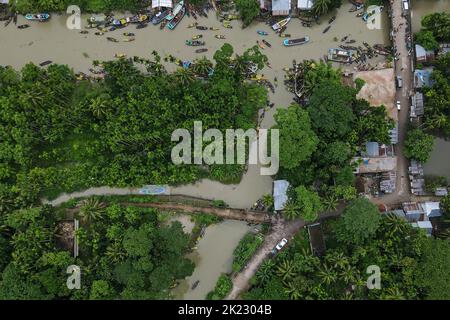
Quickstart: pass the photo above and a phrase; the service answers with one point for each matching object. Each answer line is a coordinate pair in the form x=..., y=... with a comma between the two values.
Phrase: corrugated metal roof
x=162, y=3
x=280, y=198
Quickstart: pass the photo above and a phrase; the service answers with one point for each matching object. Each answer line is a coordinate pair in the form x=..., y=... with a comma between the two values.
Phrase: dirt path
x=226, y=213
x=280, y=229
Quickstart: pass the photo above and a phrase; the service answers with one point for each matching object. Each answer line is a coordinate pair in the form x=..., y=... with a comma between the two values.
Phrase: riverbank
x=53, y=41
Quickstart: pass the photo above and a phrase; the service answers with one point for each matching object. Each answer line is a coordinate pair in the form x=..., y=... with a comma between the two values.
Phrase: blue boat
x=262, y=33
x=174, y=22
x=37, y=17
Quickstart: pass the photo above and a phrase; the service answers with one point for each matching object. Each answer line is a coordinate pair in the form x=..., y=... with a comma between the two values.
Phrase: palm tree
x=321, y=6
x=115, y=252
x=337, y=259
x=393, y=293
x=330, y=202
x=266, y=270
x=293, y=290
x=99, y=105
x=348, y=274
x=286, y=270
x=327, y=275
x=268, y=200
x=202, y=66
x=184, y=76
x=438, y=121
x=91, y=210
x=291, y=210
x=395, y=225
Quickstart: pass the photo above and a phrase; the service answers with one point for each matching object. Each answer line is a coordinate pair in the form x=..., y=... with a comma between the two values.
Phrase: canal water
x=213, y=256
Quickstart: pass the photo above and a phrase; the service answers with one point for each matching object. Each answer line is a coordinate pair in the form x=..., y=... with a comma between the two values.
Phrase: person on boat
x=275, y=81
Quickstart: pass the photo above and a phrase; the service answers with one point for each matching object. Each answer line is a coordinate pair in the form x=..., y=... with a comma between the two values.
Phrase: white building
x=305, y=5
x=280, y=197
x=162, y=3
x=281, y=7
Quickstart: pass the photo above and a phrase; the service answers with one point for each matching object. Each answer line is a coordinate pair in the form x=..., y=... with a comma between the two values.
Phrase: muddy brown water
x=213, y=256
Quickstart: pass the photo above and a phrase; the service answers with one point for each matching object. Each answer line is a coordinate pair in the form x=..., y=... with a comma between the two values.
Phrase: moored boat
x=112, y=39
x=37, y=17
x=195, y=43
x=172, y=24
x=340, y=55
x=47, y=62
x=281, y=24
x=197, y=36
x=332, y=19
x=262, y=33
x=201, y=28
x=201, y=50
x=23, y=26
x=160, y=16
x=219, y=36
x=175, y=11
x=295, y=42
x=267, y=43
x=128, y=34
x=141, y=25
x=326, y=29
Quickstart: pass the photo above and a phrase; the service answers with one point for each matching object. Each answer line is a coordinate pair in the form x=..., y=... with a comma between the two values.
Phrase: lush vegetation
x=412, y=265
x=321, y=7
x=418, y=145
x=437, y=99
x=59, y=134
x=245, y=250
x=248, y=10
x=439, y=24
x=318, y=141
x=27, y=6
x=222, y=288
x=124, y=252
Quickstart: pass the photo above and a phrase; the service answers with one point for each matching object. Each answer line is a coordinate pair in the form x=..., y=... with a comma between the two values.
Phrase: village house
x=162, y=4
x=305, y=5
x=424, y=56
x=281, y=7
x=422, y=78
x=420, y=214
x=280, y=197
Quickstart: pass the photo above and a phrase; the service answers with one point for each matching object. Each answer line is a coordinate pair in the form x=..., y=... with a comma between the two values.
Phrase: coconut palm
x=349, y=274
x=184, y=76
x=327, y=275
x=337, y=259
x=437, y=121
x=291, y=210
x=91, y=210
x=115, y=252
x=268, y=200
x=330, y=202
x=395, y=225
x=286, y=269
x=293, y=290
x=321, y=6
x=202, y=66
x=393, y=293
x=265, y=272
x=99, y=105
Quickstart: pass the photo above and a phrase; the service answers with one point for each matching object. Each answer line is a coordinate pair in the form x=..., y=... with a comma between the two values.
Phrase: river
x=53, y=41
x=213, y=256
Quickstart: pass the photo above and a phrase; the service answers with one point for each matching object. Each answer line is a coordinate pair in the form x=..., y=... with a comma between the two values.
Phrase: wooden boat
x=23, y=26
x=281, y=24
x=267, y=43
x=195, y=284
x=260, y=44
x=120, y=22
x=8, y=21
x=344, y=38
x=128, y=34
x=139, y=18
x=228, y=26
x=172, y=24
x=350, y=41
x=262, y=33
x=191, y=25
x=201, y=50
x=360, y=14
x=37, y=17
x=201, y=28
x=112, y=39
x=332, y=19
x=163, y=24
x=339, y=55
x=197, y=36
x=141, y=25
x=120, y=55
x=113, y=28
x=99, y=33
x=84, y=32
x=128, y=39
x=214, y=29
x=296, y=42
x=219, y=36
x=175, y=11
x=307, y=24
x=285, y=35
x=47, y=62
x=160, y=16
x=326, y=29
x=195, y=43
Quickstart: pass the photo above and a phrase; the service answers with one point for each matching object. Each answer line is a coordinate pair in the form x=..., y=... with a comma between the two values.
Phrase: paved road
x=403, y=69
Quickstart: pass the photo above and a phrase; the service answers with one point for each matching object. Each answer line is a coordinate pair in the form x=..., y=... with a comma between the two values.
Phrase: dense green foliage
x=437, y=99
x=323, y=6
x=412, y=265
x=222, y=288
x=124, y=253
x=426, y=40
x=321, y=138
x=27, y=6
x=418, y=145
x=439, y=24
x=245, y=250
x=59, y=134
x=248, y=10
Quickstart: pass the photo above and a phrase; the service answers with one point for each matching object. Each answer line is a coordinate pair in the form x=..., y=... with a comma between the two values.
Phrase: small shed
x=280, y=197
x=431, y=209
x=305, y=5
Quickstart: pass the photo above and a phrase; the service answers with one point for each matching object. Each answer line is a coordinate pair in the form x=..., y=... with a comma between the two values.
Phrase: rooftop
x=305, y=4
x=281, y=7
x=280, y=198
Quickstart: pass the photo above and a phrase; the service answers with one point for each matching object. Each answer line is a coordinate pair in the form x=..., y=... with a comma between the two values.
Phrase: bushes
x=245, y=250
x=223, y=286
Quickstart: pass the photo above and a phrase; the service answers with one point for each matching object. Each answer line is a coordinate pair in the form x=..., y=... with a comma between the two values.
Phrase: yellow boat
x=198, y=36
x=120, y=55
x=258, y=77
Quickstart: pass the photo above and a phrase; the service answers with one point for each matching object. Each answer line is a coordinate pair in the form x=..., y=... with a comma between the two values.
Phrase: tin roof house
x=162, y=3
x=424, y=56
x=280, y=197
x=305, y=5
x=281, y=7
x=422, y=78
